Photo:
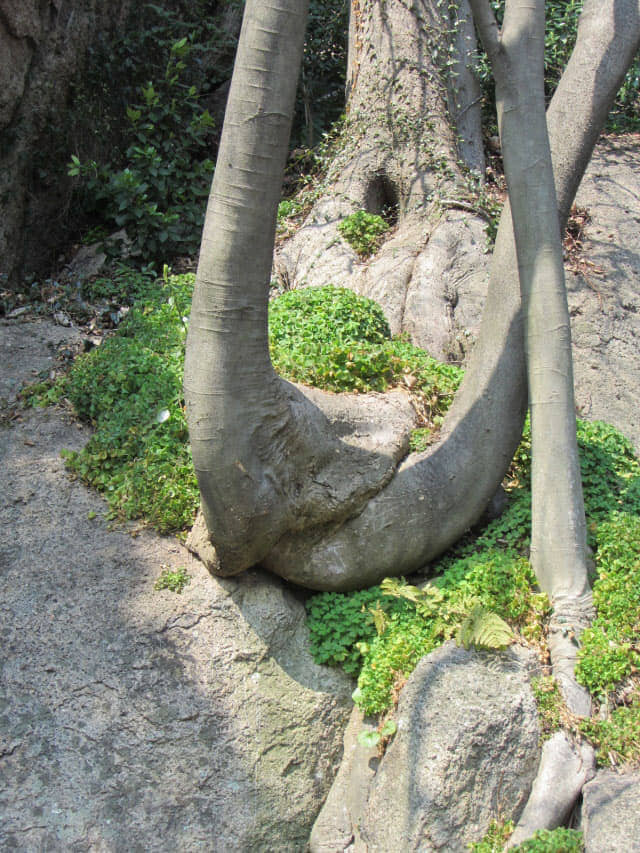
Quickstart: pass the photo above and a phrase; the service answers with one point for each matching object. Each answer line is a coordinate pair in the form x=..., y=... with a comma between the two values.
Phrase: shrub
x=363, y=231
x=159, y=195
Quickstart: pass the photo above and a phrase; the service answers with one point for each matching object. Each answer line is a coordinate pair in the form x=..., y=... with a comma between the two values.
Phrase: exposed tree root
x=564, y=769
x=570, y=617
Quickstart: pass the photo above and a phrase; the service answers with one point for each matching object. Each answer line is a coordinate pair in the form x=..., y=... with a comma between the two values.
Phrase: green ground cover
x=130, y=390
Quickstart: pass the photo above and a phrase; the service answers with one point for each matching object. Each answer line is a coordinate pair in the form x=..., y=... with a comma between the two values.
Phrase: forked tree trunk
x=278, y=485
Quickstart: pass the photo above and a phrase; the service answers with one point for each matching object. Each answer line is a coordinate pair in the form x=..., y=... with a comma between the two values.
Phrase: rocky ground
x=130, y=718
x=135, y=719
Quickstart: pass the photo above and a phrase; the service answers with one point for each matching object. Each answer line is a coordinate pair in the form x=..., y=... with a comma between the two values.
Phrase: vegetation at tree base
x=130, y=389
x=333, y=339
x=363, y=231
x=490, y=569
x=559, y=840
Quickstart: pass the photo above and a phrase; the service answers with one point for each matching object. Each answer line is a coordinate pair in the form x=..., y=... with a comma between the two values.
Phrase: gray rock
x=140, y=720
x=337, y=825
x=44, y=49
x=467, y=748
x=611, y=813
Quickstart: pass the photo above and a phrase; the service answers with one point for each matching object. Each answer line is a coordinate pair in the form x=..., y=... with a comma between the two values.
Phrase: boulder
x=43, y=53
x=611, y=813
x=133, y=718
x=466, y=749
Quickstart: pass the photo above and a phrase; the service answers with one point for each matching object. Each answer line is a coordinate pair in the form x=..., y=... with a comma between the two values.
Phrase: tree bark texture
x=278, y=484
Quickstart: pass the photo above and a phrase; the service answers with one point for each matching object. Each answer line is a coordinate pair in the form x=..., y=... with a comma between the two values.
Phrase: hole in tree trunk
x=381, y=198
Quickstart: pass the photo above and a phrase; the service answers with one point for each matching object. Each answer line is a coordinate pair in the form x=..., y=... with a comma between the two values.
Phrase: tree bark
x=275, y=482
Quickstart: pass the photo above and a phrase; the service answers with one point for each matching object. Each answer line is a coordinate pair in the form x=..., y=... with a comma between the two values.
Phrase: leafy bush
x=159, y=195
x=494, y=581
x=339, y=624
x=489, y=570
x=609, y=652
x=618, y=737
x=559, y=840
x=321, y=90
x=331, y=338
x=130, y=388
x=363, y=231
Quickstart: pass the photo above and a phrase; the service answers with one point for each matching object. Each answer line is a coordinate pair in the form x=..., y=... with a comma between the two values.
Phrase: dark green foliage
x=159, y=193
x=321, y=91
x=363, y=231
x=123, y=286
x=339, y=623
x=560, y=35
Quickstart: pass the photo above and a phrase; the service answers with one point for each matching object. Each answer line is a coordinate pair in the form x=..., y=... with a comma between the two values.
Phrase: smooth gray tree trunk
x=312, y=485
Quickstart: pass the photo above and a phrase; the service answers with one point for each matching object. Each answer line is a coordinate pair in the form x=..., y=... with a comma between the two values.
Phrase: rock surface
x=43, y=50
x=466, y=749
x=611, y=813
x=134, y=719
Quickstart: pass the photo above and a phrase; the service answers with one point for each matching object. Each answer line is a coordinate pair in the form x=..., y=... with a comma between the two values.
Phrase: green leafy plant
x=175, y=580
x=130, y=389
x=488, y=570
x=363, y=231
x=158, y=197
x=376, y=737
x=485, y=630
x=495, y=838
x=340, y=623
x=610, y=652
x=560, y=840
x=551, y=707
x=618, y=737
x=332, y=338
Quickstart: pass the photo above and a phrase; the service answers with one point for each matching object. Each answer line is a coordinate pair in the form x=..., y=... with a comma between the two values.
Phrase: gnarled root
x=564, y=769
x=565, y=766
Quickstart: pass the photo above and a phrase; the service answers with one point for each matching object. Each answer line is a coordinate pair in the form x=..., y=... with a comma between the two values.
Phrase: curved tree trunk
x=278, y=484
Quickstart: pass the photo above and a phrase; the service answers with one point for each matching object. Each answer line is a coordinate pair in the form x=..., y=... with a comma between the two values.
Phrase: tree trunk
x=267, y=459
x=278, y=485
